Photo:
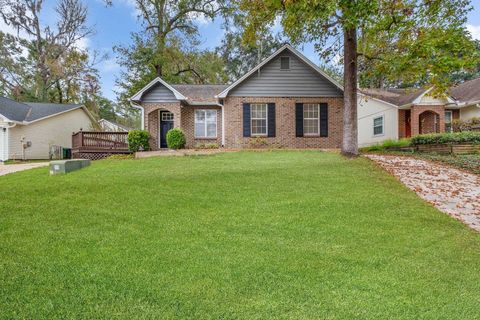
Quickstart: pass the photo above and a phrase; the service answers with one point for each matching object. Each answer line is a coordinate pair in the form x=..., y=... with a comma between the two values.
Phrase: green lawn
x=250, y=235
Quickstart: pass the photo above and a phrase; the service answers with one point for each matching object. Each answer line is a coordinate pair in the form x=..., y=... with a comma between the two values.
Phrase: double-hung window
x=378, y=126
x=311, y=119
x=205, y=123
x=259, y=119
x=448, y=121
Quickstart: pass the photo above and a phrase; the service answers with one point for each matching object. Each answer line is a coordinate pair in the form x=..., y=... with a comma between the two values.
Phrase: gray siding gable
x=301, y=80
x=158, y=93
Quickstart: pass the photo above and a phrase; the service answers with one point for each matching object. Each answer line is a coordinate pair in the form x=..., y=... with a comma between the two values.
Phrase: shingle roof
x=13, y=110
x=200, y=93
x=42, y=110
x=30, y=111
x=468, y=91
x=398, y=97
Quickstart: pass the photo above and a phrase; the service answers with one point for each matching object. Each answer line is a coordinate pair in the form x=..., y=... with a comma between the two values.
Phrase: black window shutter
x=299, y=119
x=323, y=120
x=246, y=120
x=271, y=119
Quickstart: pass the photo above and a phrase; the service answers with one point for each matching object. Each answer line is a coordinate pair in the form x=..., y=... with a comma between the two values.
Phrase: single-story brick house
x=402, y=113
x=285, y=101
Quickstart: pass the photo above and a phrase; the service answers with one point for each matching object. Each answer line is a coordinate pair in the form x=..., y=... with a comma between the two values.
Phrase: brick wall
x=428, y=124
x=151, y=119
x=285, y=123
x=402, y=124
x=188, y=126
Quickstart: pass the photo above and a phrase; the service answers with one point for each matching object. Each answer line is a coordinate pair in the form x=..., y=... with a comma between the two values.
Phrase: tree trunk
x=350, y=131
x=158, y=69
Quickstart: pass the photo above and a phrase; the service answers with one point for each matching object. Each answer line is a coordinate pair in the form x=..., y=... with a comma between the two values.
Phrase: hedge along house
x=285, y=101
x=402, y=113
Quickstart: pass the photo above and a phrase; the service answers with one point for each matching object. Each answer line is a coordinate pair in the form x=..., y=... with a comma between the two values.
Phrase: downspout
x=142, y=126
x=223, y=125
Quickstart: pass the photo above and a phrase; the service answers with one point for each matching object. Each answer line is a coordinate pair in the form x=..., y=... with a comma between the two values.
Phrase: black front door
x=166, y=123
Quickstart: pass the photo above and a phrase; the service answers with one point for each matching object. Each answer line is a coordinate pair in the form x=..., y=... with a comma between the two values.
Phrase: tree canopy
x=409, y=40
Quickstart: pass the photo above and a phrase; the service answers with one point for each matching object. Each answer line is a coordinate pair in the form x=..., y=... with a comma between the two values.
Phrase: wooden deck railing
x=92, y=141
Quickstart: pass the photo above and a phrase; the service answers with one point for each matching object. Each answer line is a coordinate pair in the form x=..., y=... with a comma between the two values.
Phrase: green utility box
x=66, y=166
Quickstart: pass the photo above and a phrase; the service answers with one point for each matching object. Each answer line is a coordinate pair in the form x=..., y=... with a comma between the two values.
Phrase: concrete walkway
x=452, y=191
x=11, y=168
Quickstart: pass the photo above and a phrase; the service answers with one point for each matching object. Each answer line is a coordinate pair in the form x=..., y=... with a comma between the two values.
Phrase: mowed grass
x=249, y=235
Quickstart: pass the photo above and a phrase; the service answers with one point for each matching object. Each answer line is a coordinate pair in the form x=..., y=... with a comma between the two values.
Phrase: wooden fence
x=97, y=145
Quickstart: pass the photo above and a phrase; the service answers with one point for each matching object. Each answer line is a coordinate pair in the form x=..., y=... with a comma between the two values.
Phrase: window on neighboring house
x=259, y=119
x=378, y=126
x=311, y=119
x=448, y=121
x=205, y=123
x=285, y=63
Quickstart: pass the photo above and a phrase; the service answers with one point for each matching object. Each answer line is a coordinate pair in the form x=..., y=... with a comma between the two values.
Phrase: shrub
x=387, y=144
x=258, y=142
x=207, y=146
x=465, y=125
x=138, y=140
x=450, y=137
x=176, y=139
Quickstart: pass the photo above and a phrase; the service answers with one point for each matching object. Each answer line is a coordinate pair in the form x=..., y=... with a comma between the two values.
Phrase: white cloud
x=83, y=43
x=474, y=31
x=11, y=30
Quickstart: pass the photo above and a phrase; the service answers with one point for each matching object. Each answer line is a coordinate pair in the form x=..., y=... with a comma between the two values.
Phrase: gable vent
x=284, y=63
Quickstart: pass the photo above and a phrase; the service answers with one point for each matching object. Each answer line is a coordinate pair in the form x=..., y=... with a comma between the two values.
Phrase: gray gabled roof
x=13, y=110
x=42, y=110
x=297, y=53
x=398, y=97
x=27, y=112
x=467, y=92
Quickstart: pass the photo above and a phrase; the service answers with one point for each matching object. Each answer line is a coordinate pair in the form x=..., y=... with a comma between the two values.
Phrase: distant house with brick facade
x=285, y=101
x=402, y=113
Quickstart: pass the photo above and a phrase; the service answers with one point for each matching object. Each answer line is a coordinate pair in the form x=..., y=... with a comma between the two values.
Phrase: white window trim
x=252, y=118
x=195, y=123
x=289, y=63
x=163, y=112
x=451, y=120
x=383, y=126
x=318, y=118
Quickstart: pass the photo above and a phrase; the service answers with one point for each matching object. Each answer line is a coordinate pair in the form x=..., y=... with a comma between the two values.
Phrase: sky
x=114, y=24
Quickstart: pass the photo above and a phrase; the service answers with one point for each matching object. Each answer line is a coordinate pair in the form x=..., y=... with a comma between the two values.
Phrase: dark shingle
x=13, y=110
x=398, y=97
x=198, y=93
x=42, y=110
x=31, y=111
x=468, y=91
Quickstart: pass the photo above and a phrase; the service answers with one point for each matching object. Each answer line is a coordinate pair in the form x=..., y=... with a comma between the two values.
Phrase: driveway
x=452, y=191
x=11, y=168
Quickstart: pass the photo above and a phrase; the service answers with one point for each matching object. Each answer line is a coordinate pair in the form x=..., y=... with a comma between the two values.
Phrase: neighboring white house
x=393, y=114
x=29, y=130
x=377, y=120
x=111, y=126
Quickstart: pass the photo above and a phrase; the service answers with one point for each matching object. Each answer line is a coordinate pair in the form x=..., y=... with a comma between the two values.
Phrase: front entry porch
x=420, y=119
x=202, y=125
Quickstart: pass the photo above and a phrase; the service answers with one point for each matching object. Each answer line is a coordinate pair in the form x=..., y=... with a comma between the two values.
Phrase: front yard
x=249, y=235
